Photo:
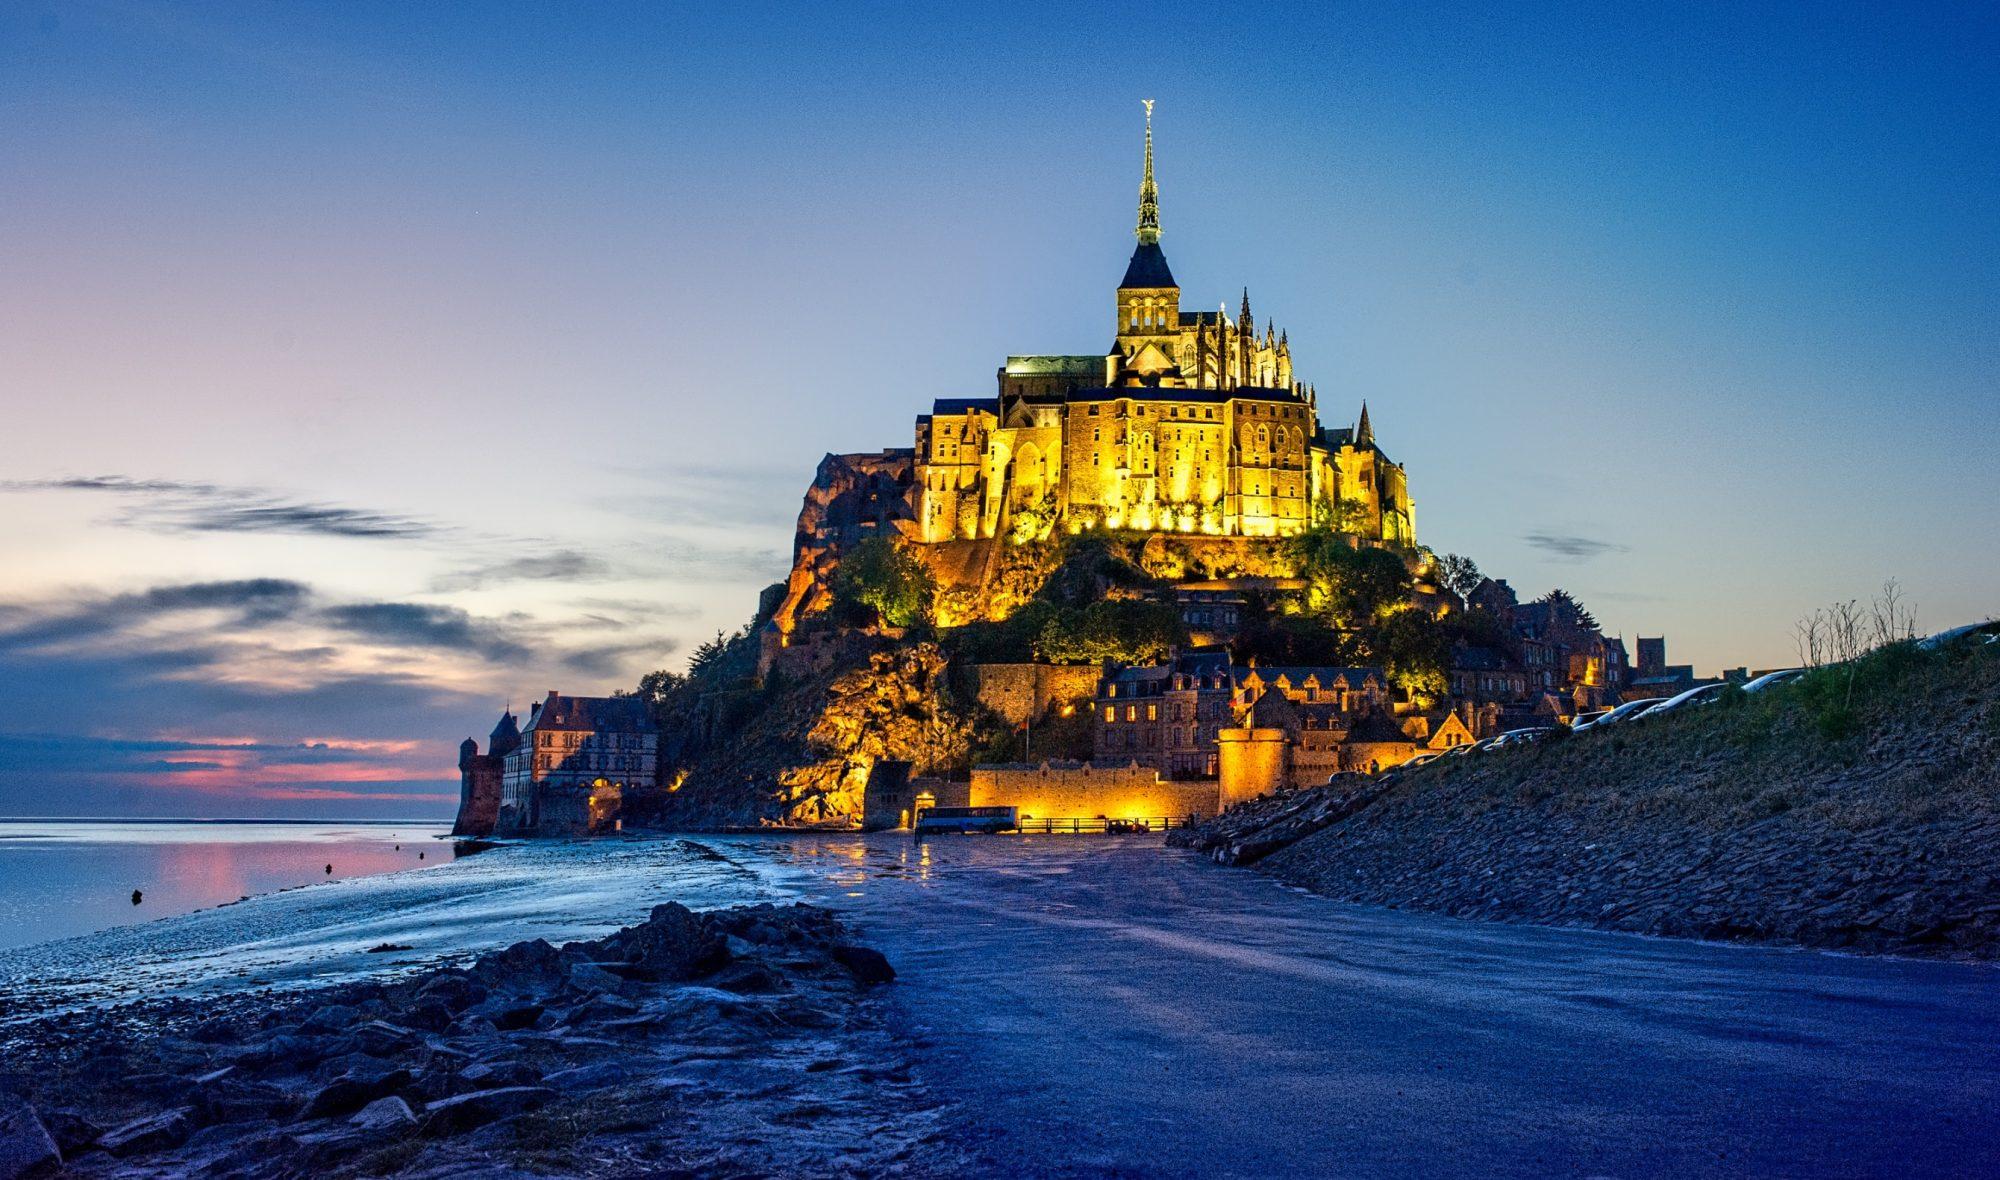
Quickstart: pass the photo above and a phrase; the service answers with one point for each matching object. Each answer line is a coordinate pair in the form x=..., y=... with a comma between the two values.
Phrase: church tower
x=1149, y=301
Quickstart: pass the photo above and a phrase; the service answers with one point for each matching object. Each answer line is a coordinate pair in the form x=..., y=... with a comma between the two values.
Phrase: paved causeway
x=1104, y=1007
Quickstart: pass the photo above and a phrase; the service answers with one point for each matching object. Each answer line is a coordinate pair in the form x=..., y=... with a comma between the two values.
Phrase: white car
x=1522, y=737
x=1770, y=678
x=1986, y=632
x=1693, y=696
x=1621, y=713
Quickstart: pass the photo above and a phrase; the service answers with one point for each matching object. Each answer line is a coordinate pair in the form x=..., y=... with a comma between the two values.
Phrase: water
x=63, y=878
x=362, y=925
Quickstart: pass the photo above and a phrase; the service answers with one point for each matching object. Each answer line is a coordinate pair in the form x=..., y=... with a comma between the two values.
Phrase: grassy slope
x=1801, y=815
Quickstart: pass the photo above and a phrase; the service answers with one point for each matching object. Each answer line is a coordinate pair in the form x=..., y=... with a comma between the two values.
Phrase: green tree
x=1125, y=630
x=1459, y=575
x=1415, y=651
x=883, y=578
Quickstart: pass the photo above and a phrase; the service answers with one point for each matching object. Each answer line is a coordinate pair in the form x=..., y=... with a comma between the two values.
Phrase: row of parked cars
x=1655, y=707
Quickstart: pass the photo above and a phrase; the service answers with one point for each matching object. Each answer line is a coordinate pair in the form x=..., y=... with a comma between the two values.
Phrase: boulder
x=463, y=1112
x=159, y=1132
x=71, y=1131
x=523, y=965
x=384, y=1114
x=26, y=1147
x=351, y=1092
x=672, y=943
x=866, y=964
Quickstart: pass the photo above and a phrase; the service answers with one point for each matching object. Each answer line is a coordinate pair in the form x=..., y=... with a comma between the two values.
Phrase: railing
x=1098, y=825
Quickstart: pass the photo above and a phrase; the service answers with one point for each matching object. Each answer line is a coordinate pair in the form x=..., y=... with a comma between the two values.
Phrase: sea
x=66, y=877
x=227, y=905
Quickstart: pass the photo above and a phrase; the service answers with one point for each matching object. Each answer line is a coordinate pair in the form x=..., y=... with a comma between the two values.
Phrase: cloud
x=1569, y=547
x=411, y=624
x=180, y=506
x=250, y=602
x=564, y=565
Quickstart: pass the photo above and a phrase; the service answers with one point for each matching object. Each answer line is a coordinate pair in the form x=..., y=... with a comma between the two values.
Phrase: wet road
x=1102, y=1007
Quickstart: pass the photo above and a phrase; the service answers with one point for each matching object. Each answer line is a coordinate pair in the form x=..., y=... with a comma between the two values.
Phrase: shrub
x=882, y=578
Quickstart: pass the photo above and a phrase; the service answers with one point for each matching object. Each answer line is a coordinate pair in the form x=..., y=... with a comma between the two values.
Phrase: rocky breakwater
x=1256, y=828
x=734, y=1043
x=1751, y=820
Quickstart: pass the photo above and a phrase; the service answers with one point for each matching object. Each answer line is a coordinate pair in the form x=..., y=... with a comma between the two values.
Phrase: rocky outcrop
x=852, y=497
x=799, y=754
x=1739, y=823
x=677, y=1039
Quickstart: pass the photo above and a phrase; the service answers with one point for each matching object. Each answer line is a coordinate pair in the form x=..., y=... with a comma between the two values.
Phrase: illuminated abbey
x=1193, y=423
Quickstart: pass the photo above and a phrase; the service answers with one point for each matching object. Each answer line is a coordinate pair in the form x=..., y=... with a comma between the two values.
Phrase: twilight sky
x=366, y=367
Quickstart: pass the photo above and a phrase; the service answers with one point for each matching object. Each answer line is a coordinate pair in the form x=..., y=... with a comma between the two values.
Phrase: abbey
x=1193, y=422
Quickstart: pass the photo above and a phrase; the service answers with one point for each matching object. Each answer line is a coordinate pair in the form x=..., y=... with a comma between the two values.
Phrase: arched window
x=1264, y=437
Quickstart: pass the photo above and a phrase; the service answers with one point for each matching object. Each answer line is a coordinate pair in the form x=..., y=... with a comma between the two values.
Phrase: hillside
x=1817, y=814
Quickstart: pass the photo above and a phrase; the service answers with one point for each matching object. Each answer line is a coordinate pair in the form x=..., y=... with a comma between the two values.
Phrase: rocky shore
x=740, y=1042
x=1743, y=822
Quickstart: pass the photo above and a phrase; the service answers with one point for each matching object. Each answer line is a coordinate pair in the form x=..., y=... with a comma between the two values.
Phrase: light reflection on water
x=72, y=877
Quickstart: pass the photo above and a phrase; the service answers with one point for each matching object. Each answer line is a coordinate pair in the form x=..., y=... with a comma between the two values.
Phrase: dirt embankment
x=1862, y=815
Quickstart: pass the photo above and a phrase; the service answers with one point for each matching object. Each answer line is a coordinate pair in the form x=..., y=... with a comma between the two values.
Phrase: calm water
x=72, y=877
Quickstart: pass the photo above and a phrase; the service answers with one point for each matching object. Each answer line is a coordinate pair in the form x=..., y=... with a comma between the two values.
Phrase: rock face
x=676, y=1039
x=1723, y=823
x=801, y=757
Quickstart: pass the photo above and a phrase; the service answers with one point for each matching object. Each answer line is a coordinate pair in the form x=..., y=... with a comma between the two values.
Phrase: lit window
x=1152, y=712
x=1131, y=712
x=1110, y=714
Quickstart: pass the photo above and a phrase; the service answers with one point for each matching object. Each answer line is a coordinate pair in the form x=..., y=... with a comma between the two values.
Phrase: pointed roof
x=1364, y=434
x=1148, y=267
x=1376, y=726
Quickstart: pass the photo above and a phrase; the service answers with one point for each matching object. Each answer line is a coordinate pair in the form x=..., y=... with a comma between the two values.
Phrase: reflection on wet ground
x=1104, y=1006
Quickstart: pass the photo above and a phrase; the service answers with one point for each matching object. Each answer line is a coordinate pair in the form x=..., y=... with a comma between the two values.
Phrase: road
x=1105, y=1007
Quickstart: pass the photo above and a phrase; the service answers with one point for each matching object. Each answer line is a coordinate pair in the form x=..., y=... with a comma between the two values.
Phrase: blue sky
x=368, y=366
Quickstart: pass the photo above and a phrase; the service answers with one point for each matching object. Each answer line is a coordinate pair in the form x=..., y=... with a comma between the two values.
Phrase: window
x=1110, y=714
x=1152, y=712
x=1131, y=712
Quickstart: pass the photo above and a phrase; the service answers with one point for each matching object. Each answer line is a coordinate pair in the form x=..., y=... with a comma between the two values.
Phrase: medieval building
x=566, y=772
x=1191, y=422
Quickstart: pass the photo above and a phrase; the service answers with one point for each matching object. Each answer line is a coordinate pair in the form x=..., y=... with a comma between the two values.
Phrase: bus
x=967, y=819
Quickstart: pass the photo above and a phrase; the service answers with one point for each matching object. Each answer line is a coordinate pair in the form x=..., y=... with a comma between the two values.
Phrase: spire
x=1148, y=268
x=1364, y=433
x=1149, y=193
x=1244, y=322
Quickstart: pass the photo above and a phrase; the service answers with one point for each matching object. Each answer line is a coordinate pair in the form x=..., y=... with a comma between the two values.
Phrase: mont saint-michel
x=783, y=591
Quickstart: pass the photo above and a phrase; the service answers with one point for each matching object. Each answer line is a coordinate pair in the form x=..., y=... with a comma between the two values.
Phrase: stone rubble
x=740, y=1042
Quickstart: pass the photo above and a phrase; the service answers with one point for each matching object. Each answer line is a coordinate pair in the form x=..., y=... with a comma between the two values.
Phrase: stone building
x=1192, y=422
x=576, y=760
x=1164, y=716
x=479, y=777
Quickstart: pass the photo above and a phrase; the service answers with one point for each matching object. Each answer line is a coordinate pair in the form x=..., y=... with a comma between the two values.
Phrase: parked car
x=1770, y=678
x=1986, y=632
x=1522, y=737
x=1425, y=758
x=1583, y=720
x=1693, y=696
x=1621, y=713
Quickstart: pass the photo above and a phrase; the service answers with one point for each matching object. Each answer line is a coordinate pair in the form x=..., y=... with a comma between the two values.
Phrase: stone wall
x=1252, y=762
x=1081, y=790
x=1018, y=691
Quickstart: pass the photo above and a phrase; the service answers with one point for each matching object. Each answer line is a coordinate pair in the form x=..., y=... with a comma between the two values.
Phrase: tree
x=1352, y=588
x=1459, y=575
x=885, y=579
x=1125, y=630
x=1415, y=650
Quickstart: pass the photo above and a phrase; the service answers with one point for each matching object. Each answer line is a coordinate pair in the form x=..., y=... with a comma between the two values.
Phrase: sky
x=367, y=368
